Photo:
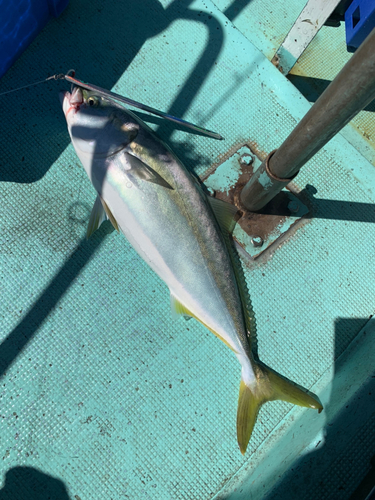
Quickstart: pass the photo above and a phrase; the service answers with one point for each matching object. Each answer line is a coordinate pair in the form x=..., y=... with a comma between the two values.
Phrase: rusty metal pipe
x=351, y=90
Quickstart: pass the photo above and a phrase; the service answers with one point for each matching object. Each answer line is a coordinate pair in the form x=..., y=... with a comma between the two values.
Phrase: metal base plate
x=254, y=232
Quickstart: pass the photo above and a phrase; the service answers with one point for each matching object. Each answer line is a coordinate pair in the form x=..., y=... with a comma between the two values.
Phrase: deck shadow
x=343, y=458
x=28, y=483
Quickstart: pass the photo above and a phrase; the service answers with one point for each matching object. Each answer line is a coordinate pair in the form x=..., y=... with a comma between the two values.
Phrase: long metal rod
x=144, y=107
x=351, y=90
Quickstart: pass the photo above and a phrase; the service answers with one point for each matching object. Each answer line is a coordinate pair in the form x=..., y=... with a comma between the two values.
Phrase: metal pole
x=351, y=90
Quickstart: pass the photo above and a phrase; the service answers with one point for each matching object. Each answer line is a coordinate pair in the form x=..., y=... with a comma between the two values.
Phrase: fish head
x=97, y=126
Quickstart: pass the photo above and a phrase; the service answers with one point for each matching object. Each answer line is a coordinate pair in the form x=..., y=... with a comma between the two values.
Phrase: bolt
x=247, y=159
x=293, y=206
x=256, y=241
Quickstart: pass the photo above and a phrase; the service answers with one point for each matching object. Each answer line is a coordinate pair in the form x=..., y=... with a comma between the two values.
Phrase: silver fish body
x=180, y=232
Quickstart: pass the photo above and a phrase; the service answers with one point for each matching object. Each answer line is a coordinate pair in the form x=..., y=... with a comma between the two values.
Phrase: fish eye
x=92, y=101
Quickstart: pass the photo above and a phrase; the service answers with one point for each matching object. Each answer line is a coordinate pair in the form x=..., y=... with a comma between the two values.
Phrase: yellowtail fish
x=182, y=234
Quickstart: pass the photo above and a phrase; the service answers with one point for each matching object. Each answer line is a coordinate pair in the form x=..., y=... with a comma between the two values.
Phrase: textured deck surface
x=102, y=394
x=265, y=23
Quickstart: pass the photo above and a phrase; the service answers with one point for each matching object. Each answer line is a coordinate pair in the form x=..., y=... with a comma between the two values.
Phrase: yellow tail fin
x=270, y=386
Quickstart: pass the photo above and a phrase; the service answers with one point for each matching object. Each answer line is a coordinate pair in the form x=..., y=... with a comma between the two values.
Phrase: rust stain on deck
x=264, y=222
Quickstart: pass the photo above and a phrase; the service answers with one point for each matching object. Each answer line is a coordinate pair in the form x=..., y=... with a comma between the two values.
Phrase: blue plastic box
x=20, y=22
x=359, y=22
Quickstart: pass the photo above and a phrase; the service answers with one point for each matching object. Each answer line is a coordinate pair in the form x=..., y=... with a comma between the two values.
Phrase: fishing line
x=117, y=97
x=54, y=77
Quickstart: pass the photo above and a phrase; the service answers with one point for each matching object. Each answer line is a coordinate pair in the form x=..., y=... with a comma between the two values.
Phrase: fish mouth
x=71, y=101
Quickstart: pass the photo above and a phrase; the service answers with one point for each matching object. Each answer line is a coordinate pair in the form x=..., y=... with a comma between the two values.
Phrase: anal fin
x=179, y=309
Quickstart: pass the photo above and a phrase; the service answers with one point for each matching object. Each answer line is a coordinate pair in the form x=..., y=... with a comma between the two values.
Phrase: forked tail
x=269, y=386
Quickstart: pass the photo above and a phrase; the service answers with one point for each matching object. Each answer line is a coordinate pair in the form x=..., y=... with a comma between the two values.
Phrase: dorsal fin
x=245, y=297
x=244, y=293
x=224, y=213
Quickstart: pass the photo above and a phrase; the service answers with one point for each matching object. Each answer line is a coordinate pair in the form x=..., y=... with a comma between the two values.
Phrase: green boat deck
x=103, y=395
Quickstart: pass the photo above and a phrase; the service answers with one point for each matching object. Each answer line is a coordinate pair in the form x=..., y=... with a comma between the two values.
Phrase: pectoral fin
x=110, y=215
x=144, y=172
x=97, y=216
x=99, y=213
